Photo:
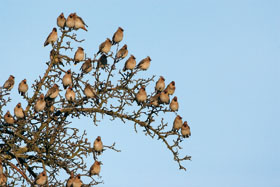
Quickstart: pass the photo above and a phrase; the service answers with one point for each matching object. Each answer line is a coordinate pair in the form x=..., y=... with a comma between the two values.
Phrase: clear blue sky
x=224, y=57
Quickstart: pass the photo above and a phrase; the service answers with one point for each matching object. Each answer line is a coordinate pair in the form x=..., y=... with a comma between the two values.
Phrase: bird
x=130, y=63
x=9, y=84
x=67, y=79
x=9, y=118
x=145, y=63
x=164, y=97
x=160, y=84
x=61, y=21
x=70, y=94
x=40, y=104
x=141, y=96
x=41, y=179
x=55, y=56
x=102, y=61
x=171, y=88
x=185, y=130
x=19, y=112
x=154, y=100
x=105, y=47
x=122, y=53
x=178, y=123
x=79, y=22
x=118, y=36
x=70, y=23
x=79, y=55
x=95, y=168
x=52, y=92
x=70, y=180
x=1, y=167
x=89, y=91
x=22, y=87
x=98, y=145
x=174, y=105
x=3, y=179
x=77, y=182
x=51, y=38
x=87, y=66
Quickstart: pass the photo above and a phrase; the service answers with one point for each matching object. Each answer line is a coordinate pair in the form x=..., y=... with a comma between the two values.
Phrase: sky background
x=224, y=58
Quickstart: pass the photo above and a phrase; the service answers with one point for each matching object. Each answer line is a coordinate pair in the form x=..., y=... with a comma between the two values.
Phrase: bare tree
x=37, y=143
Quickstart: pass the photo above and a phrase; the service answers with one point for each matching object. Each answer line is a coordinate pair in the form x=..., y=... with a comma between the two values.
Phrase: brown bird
x=105, y=47
x=122, y=53
x=1, y=167
x=98, y=145
x=185, y=130
x=141, y=96
x=9, y=84
x=95, y=168
x=118, y=36
x=171, y=88
x=174, y=105
x=87, y=66
x=79, y=55
x=18, y=111
x=52, y=92
x=67, y=79
x=145, y=63
x=130, y=63
x=102, y=61
x=70, y=23
x=164, y=97
x=3, y=179
x=89, y=91
x=155, y=100
x=22, y=87
x=40, y=104
x=77, y=182
x=79, y=22
x=61, y=21
x=160, y=85
x=70, y=94
x=70, y=180
x=55, y=56
x=51, y=38
x=9, y=118
x=178, y=123
x=41, y=178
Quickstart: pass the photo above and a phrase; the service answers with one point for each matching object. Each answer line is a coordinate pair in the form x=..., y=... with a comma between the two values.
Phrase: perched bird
x=174, y=105
x=170, y=88
x=154, y=100
x=70, y=94
x=41, y=179
x=122, y=53
x=52, y=92
x=70, y=180
x=130, y=63
x=67, y=79
x=70, y=23
x=51, y=38
x=61, y=21
x=79, y=22
x=141, y=96
x=79, y=55
x=3, y=179
x=102, y=61
x=160, y=85
x=77, y=182
x=178, y=123
x=89, y=91
x=9, y=118
x=145, y=63
x=164, y=97
x=22, y=87
x=185, y=130
x=55, y=56
x=95, y=168
x=105, y=47
x=40, y=104
x=98, y=145
x=9, y=84
x=87, y=66
x=118, y=36
x=19, y=112
x=1, y=167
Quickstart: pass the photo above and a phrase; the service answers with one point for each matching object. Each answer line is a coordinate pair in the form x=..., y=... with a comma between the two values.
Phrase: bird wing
x=82, y=21
x=46, y=42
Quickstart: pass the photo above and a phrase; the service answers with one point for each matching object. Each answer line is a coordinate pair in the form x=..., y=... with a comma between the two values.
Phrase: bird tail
x=84, y=28
x=46, y=43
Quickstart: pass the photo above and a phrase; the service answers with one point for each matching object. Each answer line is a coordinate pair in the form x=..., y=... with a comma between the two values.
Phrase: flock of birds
x=75, y=22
